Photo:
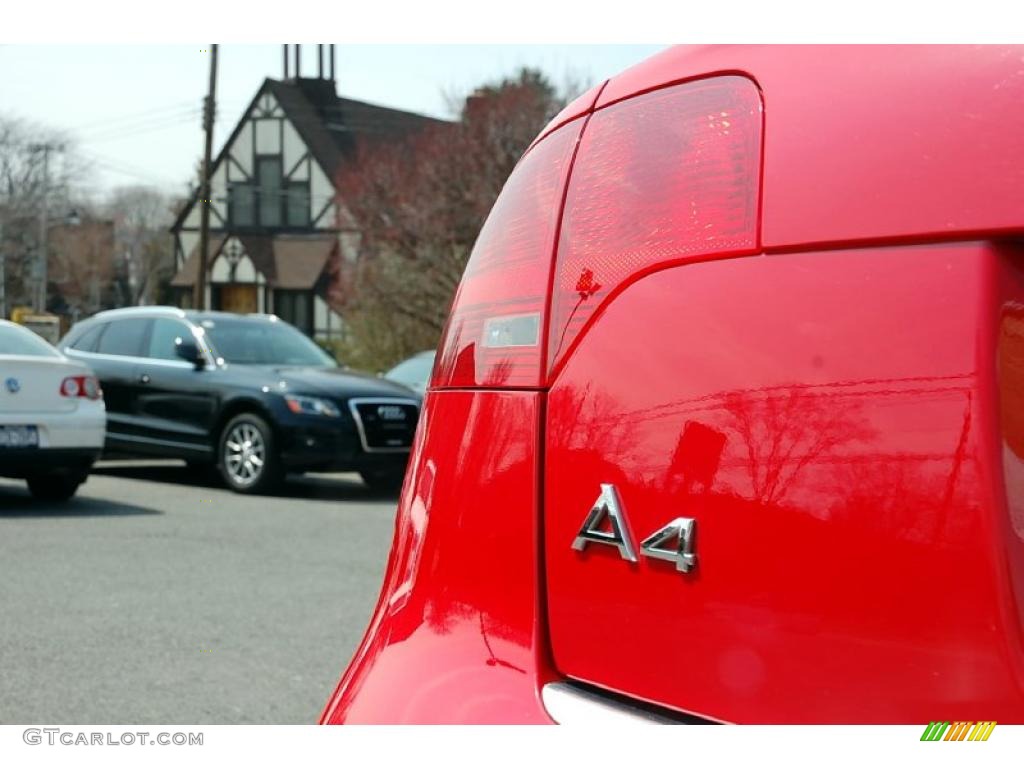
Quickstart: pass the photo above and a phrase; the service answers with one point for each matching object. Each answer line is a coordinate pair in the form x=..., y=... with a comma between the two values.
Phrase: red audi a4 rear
x=727, y=424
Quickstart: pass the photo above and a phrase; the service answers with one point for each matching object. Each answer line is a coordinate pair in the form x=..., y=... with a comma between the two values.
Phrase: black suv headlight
x=311, y=406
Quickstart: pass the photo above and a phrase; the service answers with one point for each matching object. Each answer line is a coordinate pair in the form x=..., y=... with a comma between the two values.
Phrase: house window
x=298, y=204
x=268, y=176
x=278, y=204
x=295, y=307
x=241, y=208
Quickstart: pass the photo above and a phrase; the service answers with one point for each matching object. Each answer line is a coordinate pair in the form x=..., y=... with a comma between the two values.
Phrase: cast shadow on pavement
x=334, y=487
x=15, y=501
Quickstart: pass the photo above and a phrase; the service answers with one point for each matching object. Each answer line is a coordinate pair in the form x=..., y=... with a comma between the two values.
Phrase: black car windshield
x=263, y=342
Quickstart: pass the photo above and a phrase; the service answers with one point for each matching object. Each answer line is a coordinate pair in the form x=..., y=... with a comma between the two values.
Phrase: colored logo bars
x=960, y=731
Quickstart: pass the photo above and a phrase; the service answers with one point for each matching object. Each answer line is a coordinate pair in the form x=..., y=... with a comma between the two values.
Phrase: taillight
x=81, y=386
x=659, y=179
x=662, y=178
x=495, y=330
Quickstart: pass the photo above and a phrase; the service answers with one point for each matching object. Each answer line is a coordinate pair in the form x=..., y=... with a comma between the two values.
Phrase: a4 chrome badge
x=674, y=542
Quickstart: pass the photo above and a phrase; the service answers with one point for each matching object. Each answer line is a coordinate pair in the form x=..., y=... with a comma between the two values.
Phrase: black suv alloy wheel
x=248, y=457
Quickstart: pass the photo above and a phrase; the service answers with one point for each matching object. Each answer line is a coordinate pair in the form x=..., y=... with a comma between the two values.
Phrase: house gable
x=276, y=229
x=266, y=136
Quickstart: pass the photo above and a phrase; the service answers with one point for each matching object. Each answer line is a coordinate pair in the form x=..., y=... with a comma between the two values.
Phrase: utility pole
x=3, y=275
x=209, y=105
x=44, y=213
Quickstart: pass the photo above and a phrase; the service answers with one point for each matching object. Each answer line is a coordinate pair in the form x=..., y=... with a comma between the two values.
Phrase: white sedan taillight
x=81, y=386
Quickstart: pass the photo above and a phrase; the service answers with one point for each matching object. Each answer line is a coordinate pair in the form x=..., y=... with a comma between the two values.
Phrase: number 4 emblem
x=674, y=542
x=681, y=530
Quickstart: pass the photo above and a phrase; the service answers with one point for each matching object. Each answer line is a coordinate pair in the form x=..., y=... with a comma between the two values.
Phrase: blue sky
x=134, y=109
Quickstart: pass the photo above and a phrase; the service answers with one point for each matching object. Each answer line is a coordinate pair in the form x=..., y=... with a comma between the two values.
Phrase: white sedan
x=52, y=417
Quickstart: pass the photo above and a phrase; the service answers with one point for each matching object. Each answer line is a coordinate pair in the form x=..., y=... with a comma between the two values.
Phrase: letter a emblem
x=608, y=506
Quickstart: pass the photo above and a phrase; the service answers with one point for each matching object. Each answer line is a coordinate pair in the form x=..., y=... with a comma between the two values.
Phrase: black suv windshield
x=263, y=342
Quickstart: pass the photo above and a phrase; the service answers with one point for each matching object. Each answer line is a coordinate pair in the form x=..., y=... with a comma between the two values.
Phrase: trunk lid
x=32, y=385
x=832, y=460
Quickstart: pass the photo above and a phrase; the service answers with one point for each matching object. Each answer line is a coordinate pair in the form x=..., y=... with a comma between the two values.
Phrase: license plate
x=19, y=437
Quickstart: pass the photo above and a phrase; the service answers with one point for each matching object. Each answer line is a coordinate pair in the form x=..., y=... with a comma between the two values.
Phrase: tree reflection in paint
x=783, y=431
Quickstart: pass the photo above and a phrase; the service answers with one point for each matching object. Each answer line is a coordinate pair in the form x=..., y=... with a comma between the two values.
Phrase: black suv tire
x=247, y=455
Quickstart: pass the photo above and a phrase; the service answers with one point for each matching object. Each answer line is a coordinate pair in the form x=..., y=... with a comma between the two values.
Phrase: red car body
x=778, y=291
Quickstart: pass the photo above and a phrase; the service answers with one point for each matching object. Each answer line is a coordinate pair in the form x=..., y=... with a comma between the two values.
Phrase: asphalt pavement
x=156, y=596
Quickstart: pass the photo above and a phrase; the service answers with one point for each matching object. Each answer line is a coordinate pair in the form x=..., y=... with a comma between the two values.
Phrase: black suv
x=247, y=393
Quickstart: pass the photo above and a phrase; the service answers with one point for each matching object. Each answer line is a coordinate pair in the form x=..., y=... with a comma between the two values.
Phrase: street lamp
x=45, y=149
x=42, y=263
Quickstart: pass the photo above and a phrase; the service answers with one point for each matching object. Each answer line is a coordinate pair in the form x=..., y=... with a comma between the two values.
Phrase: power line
x=144, y=118
x=145, y=114
x=126, y=169
x=160, y=125
x=155, y=120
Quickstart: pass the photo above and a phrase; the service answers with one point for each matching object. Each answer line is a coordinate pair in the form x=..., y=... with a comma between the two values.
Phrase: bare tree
x=23, y=187
x=419, y=205
x=144, y=250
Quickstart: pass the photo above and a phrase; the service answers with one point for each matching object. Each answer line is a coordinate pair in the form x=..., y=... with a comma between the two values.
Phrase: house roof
x=190, y=269
x=329, y=124
x=300, y=260
x=286, y=261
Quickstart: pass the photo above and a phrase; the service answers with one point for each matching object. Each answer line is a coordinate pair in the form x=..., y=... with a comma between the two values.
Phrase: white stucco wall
x=327, y=324
x=270, y=105
x=320, y=192
x=245, y=272
x=241, y=149
x=189, y=241
x=219, y=193
x=220, y=270
x=293, y=150
x=268, y=137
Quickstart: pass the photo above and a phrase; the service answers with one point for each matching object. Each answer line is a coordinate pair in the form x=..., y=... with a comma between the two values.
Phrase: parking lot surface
x=155, y=596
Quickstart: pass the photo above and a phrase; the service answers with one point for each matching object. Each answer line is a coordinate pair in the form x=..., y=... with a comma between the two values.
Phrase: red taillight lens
x=661, y=178
x=80, y=386
x=495, y=330
x=71, y=386
x=91, y=387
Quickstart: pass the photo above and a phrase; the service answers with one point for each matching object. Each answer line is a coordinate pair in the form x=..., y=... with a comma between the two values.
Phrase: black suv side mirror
x=188, y=351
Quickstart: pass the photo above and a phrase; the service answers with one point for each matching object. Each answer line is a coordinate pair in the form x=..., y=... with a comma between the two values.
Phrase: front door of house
x=238, y=298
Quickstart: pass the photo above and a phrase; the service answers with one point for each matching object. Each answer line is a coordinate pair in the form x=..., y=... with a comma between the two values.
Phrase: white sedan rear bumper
x=85, y=427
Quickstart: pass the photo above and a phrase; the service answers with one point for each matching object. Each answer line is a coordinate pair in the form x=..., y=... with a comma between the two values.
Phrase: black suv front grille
x=385, y=424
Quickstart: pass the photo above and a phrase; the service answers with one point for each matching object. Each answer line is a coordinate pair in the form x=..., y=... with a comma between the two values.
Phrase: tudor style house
x=276, y=238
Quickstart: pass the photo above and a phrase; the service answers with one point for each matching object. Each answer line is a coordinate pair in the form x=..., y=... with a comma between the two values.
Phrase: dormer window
x=269, y=200
x=241, y=205
x=269, y=190
x=297, y=203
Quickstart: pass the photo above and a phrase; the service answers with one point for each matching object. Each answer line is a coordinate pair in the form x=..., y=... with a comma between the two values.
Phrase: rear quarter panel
x=456, y=635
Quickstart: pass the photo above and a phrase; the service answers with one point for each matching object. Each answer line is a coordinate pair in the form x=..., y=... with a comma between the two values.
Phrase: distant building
x=81, y=267
x=276, y=241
